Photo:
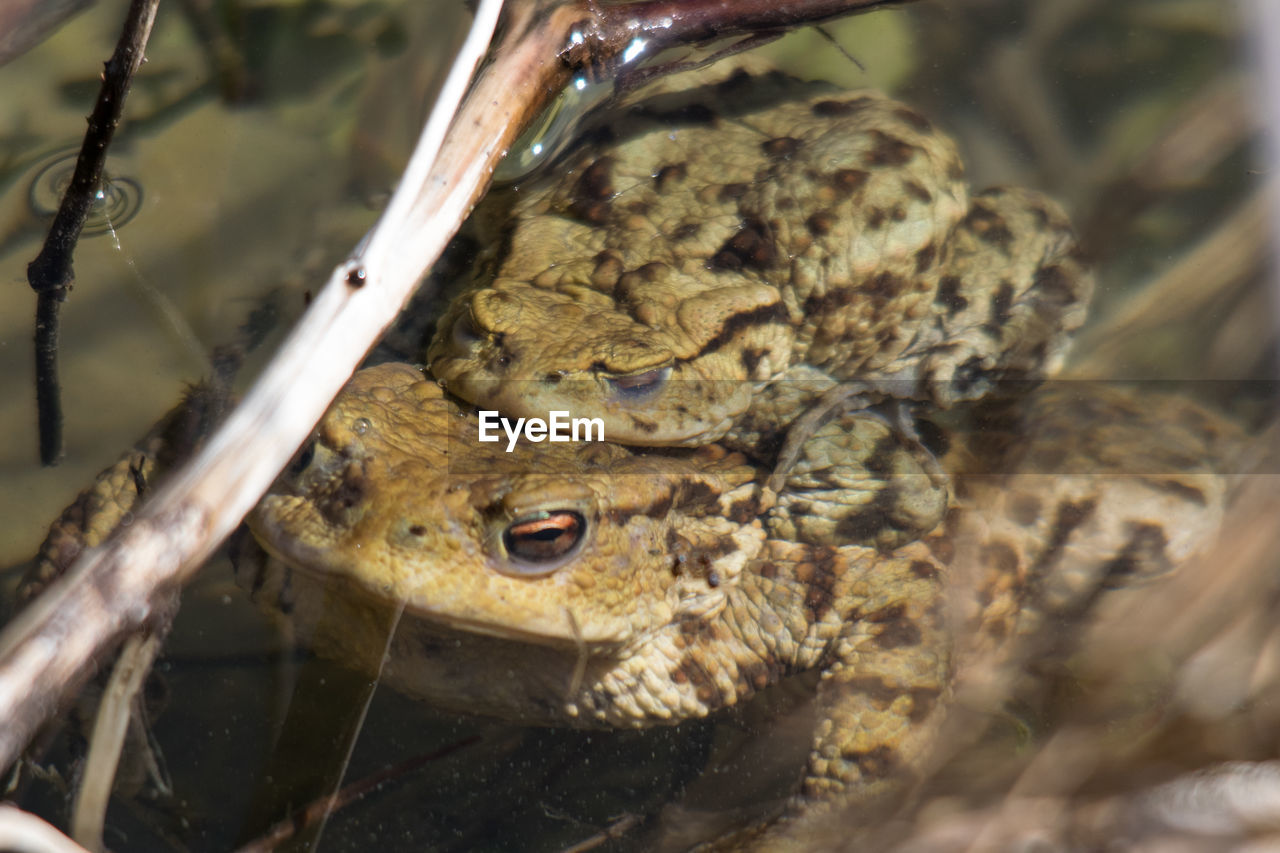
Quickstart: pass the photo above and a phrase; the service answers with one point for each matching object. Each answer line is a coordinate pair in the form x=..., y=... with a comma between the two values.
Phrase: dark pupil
x=544, y=538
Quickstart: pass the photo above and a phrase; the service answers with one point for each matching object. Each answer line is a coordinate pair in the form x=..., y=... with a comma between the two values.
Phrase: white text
x=558, y=427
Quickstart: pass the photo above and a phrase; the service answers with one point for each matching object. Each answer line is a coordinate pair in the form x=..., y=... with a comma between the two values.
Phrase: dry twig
x=109, y=730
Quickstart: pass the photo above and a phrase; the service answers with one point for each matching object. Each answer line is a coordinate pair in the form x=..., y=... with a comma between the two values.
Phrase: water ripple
x=118, y=201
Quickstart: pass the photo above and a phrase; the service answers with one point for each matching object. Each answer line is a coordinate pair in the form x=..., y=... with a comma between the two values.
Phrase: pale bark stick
x=110, y=728
x=23, y=832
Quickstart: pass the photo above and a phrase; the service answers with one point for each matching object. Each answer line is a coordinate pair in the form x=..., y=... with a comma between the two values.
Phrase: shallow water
x=1080, y=99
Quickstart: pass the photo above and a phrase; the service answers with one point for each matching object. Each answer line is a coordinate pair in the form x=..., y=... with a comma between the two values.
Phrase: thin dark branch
x=51, y=273
x=48, y=394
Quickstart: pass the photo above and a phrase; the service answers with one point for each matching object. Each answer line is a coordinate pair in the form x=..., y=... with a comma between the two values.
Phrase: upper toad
x=728, y=233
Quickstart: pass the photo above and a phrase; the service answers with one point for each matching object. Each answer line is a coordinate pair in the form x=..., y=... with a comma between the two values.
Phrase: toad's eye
x=640, y=386
x=546, y=536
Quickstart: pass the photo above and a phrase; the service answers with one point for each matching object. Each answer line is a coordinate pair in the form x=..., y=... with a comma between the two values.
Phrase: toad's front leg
x=874, y=624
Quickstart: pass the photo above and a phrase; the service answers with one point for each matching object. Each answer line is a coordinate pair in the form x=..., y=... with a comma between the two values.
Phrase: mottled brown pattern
x=819, y=578
x=762, y=316
x=751, y=359
x=669, y=174
x=732, y=192
x=893, y=628
x=846, y=182
x=924, y=259
x=781, y=146
x=821, y=222
x=835, y=109
x=917, y=191
x=1068, y=516
x=989, y=226
x=1143, y=553
x=922, y=569
x=593, y=191
x=1001, y=302
x=686, y=231
x=888, y=150
x=949, y=295
x=915, y=119
x=751, y=246
x=1186, y=491
x=849, y=210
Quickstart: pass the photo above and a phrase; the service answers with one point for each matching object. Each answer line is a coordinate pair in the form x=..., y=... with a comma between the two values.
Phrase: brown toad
x=728, y=234
x=591, y=585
